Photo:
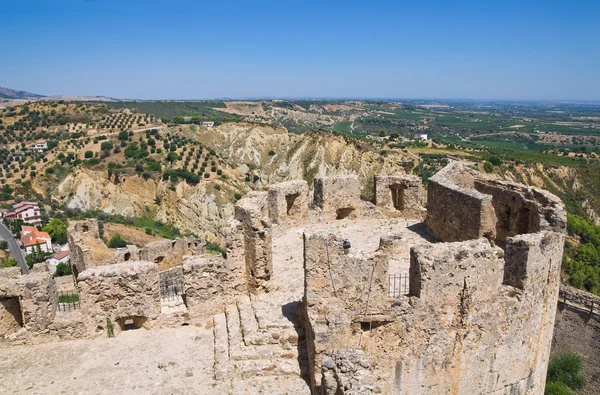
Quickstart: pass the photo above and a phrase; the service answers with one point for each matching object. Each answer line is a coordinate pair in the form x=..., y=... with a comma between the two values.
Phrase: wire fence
x=171, y=288
x=398, y=285
x=68, y=301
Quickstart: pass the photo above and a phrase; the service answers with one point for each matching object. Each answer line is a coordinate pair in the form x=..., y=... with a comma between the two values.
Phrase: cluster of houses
x=31, y=237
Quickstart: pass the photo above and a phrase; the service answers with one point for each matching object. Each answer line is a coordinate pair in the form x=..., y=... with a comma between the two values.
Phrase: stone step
x=233, y=327
x=221, y=348
x=270, y=351
x=279, y=367
x=272, y=315
x=248, y=321
x=272, y=336
x=271, y=385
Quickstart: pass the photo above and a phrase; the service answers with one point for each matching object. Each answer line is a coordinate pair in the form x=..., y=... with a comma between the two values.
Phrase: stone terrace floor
x=180, y=360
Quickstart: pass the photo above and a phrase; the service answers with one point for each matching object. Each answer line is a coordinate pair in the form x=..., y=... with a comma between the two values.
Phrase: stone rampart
x=478, y=316
x=120, y=292
x=338, y=196
x=399, y=192
x=288, y=201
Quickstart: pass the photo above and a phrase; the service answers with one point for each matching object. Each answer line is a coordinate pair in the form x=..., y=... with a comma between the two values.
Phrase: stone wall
x=456, y=211
x=210, y=281
x=120, y=292
x=338, y=196
x=340, y=288
x=29, y=301
x=288, y=200
x=252, y=214
x=478, y=318
x=399, y=192
x=86, y=248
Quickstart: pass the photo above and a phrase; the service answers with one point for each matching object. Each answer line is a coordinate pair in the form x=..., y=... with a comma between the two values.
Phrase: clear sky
x=179, y=49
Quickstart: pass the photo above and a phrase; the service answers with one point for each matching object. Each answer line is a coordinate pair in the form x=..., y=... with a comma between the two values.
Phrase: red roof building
x=31, y=236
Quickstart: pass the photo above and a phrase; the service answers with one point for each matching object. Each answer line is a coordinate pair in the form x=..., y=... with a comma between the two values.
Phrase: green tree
x=3, y=244
x=117, y=242
x=57, y=229
x=123, y=135
x=36, y=256
x=488, y=167
x=88, y=154
x=564, y=369
x=63, y=269
x=172, y=156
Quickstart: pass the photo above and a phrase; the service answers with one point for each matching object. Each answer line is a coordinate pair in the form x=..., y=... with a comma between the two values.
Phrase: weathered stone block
x=338, y=196
x=288, y=200
x=120, y=292
x=399, y=192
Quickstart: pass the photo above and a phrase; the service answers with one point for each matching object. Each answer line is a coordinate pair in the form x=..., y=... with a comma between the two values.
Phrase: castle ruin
x=307, y=299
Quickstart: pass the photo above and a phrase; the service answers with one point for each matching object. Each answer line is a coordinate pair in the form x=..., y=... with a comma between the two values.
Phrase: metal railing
x=171, y=288
x=68, y=301
x=580, y=300
x=398, y=285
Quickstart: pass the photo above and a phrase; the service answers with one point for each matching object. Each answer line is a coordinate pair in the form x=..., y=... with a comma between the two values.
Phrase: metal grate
x=68, y=301
x=171, y=288
x=398, y=285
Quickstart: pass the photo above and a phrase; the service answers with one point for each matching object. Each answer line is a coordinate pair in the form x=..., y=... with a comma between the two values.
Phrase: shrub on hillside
x=117, y=242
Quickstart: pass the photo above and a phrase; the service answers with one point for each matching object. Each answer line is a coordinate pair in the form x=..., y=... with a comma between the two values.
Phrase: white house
x=59, y=257
x=41, y=145
x=420, y=136
x=208, y=124
x=30, y=237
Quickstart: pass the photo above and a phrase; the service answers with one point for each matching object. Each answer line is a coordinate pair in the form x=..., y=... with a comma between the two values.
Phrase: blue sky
x=181, y=49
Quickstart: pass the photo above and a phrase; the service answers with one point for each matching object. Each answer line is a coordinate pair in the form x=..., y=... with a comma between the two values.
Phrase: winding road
x=14, y=248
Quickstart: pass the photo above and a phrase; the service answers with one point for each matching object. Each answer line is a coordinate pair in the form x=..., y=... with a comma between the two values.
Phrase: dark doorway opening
x=344, y=212
x=290, y=199
x=127, y=256
x=131, y=323
x=11, y=316
x=159, y=259
x=398, y=197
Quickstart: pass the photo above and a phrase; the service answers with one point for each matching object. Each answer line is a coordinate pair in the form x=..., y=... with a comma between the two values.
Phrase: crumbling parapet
x=252, y=213
x=169, y=253
x=338, y=196
x=342, y=291
x=120, y=292
x=399, y=192
x=456, y=211
x=479, y=312
x=211, y=281
x=27, y=302
x=288, y=200
x=463, y=205
x=86, y=248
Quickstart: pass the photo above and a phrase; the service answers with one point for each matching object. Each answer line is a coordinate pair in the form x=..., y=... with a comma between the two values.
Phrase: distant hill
x=6, y=93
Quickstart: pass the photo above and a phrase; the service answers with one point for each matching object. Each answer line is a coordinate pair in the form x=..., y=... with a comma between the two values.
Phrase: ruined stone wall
x=338, y=196
x=119, y=292
x=288, y=200
x=455, y=210
x=163, y=251
x=399, y=192
x=251, y=212
x=478, y=317
x=211, y=281
x=339, y=288
x=29, y=301
x=86, y=248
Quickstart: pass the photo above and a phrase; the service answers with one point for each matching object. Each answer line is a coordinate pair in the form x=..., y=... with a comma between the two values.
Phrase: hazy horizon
x=182, y=50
